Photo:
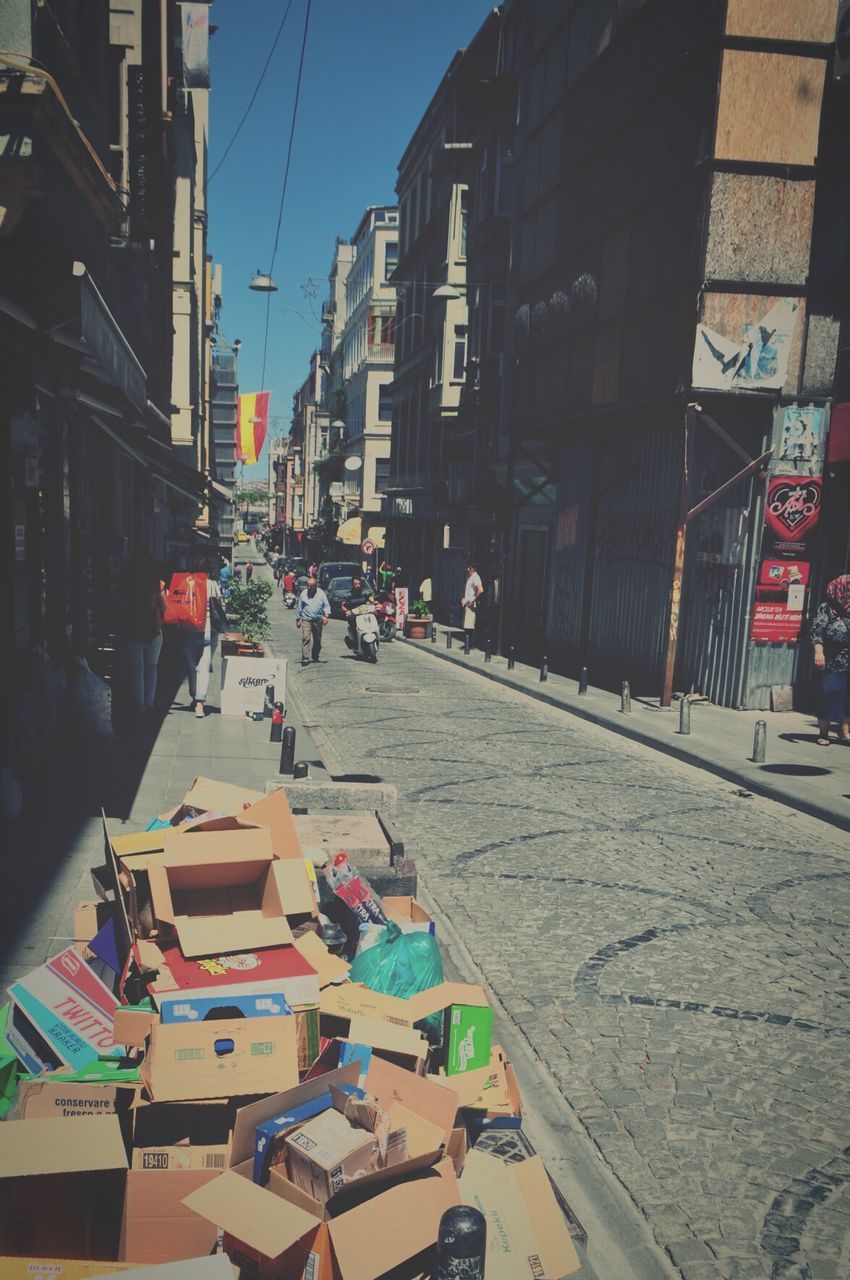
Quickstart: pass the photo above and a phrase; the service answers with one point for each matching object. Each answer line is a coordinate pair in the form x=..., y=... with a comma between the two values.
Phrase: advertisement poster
x=402, y=604
x=780, y=601
x=791, y=514
x=801, y=443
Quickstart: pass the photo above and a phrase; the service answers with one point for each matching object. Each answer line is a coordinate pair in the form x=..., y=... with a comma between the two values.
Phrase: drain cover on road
x=390, y=688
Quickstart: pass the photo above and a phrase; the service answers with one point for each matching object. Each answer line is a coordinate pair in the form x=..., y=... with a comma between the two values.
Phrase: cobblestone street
x=674, y=952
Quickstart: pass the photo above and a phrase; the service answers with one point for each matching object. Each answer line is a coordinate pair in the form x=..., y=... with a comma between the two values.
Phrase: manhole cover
x=390, y=688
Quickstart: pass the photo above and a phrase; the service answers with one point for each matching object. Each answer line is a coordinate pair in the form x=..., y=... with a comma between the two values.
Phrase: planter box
x=418, y=628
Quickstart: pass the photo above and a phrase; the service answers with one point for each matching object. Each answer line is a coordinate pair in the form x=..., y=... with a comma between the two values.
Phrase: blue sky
x=369, y=73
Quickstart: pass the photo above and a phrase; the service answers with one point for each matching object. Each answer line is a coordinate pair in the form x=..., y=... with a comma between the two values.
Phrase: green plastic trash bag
x=399, y=964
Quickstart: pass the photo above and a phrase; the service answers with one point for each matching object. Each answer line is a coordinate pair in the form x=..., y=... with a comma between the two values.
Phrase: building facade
x=679, y=189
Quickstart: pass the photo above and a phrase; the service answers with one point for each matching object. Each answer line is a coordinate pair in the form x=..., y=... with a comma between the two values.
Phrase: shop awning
x=349, y=532
x=155, y=457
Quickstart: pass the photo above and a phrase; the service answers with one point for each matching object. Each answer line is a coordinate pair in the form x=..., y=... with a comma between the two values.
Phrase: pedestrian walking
x=224, y=576
x=199, y=645
x=830, y=638
x=249, y=571
x=472, y=593
x=289, y=581
x=143, y=614
x=312, y=615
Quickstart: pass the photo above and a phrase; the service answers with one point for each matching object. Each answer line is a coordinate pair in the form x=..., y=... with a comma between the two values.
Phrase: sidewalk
x=797, y=772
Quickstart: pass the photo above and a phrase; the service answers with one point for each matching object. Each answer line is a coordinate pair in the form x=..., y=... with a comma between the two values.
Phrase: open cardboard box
x=489, y=1096
x=207, y=794
x=467, y=1023
x=220, y=891
x=408, y=915
x=62, y=1187
x=176, y=1148
x=193, y=1060
x=277, y=1232
x=49, y=1097
x=59, y=1269
x=526, y=1231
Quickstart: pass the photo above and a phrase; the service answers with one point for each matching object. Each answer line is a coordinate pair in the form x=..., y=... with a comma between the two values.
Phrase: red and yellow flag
x=252, y=426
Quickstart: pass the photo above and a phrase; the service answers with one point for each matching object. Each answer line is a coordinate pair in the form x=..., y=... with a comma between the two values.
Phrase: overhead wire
x=253, y=97
x=285, y=180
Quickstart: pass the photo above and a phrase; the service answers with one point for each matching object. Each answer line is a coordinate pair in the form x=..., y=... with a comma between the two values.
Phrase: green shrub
x=246, y=609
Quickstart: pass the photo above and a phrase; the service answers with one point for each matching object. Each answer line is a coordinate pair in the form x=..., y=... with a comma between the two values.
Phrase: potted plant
x=246, y=607
x=418, y=623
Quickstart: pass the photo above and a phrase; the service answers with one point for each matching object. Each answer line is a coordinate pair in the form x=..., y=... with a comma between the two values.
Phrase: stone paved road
x=675, y=953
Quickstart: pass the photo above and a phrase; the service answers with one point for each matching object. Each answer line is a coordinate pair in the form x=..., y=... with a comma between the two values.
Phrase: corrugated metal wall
x=631, y=564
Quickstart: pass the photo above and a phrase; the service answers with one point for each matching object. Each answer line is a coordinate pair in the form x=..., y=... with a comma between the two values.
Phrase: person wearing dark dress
x=830, y=638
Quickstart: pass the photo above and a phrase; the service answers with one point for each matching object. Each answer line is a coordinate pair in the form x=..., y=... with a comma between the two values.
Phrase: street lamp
x=263, y=283
x=448, y=292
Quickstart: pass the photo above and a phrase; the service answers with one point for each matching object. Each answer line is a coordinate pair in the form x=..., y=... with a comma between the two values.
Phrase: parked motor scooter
x=385, y=613
x=367, y=632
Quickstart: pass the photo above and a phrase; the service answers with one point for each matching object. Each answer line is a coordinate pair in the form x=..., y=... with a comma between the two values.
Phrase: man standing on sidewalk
x=312, y=614
x=473, y=591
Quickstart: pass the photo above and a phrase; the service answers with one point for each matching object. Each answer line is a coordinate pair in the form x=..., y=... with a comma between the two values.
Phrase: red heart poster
x=792, y=511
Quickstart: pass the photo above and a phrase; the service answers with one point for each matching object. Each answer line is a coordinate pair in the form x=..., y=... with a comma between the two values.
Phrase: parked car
x=242, y=536
x=337, y=569
x=338, y=592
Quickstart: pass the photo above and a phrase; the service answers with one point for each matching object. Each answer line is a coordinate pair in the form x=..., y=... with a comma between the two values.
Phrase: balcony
x=328, y=312
x=380, y=353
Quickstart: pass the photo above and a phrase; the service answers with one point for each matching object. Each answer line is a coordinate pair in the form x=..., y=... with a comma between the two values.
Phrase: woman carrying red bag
x=195, y=603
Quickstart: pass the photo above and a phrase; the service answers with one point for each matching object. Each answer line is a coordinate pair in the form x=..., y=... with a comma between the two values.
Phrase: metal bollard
x=300, y=769
x=448, y=639
x=287, y=750
x=268, y=708
x=276, y=731
x=488, y=650
x=511, y=658
x=544, y=670
x=461, y=1244
x=467, y=641
x=582, y=680
x=760, y=742
x=626, y=698
x=433, y=633
x=685, y=715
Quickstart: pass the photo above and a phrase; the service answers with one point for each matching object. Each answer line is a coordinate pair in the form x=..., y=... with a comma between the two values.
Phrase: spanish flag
x=253, y=425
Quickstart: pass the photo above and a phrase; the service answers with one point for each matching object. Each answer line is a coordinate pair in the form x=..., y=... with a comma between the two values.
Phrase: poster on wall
x=780, y=600
x=753, y=358
x=791, y=514
x=402, y=604
x=801, y=439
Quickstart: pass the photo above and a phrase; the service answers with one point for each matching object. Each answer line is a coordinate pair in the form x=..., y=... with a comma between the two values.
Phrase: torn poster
x=756, y=361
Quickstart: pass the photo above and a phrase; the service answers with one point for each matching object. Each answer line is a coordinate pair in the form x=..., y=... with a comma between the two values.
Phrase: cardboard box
x=467, y=1025
x=89, y=918
x=402, y=1045
x=281, y=972
x=58, y=1269
x=62, y=1187
x=408, y=915
x=187, y=1060
x=220, y=892
x=270, y=1134
x=490, y=1096
x=328, y=1152
x=273, y=812
x=339, y=1004
x=526, y=1232
x=61, y=1015
x=330, y=968
x=280, y=1234
x=221, y=797
x=52, y=1097
x=176, y=1149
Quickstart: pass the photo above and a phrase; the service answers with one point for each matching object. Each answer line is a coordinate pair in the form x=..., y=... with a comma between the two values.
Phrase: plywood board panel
x=760, y=229
x=769, y=109
x=782, y=19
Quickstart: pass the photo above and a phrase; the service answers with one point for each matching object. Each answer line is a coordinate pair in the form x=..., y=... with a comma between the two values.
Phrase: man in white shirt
x=472, y=593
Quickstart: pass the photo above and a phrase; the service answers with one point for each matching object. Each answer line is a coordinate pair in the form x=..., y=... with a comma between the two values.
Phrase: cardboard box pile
x=197, y=1074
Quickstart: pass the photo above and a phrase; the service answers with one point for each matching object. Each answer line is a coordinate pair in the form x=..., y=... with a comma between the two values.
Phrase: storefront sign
x=780, y=601
x=792, y=511
x=402, y=604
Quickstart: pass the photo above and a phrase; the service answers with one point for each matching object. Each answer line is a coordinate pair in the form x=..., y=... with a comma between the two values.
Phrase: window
x=459, y=358
x=438, y=361
x=390, y=258
x=385, y=404
x=463, y=223
x=504, y=178
x=382, y=474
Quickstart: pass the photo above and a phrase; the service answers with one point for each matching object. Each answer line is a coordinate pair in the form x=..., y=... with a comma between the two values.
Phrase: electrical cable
x=253, y=97
x=285, y=181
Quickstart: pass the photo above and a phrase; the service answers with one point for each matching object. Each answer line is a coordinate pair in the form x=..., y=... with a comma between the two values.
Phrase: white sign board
x=244, y=680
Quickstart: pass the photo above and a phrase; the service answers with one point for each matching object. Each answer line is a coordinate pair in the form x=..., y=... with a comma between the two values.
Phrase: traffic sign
x=367, y=547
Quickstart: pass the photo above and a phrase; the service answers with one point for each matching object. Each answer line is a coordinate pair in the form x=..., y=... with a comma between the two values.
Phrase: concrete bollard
x=582, y=680
x=488, y=650
x=511, y=658
x=448, y=639
x=287, y=750
x=461, y=1244
x=300, y=770
x=626, y=698
x=684, y=715
x=544, y=670
x=467, y=641
x=276, y=730
x=760, y=742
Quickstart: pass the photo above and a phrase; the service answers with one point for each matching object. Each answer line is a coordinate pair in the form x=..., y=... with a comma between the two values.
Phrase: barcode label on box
x=188, y=1055
x=311, y=1267
x=154, y=1160
x=214, y=1160
x=262, y=1048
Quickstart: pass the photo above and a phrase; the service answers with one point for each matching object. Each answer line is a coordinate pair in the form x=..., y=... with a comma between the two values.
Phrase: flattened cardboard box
x=222, y=892
x=59, y=1269
x=187, y=1060
x=220, y=797
x=49, y=1097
